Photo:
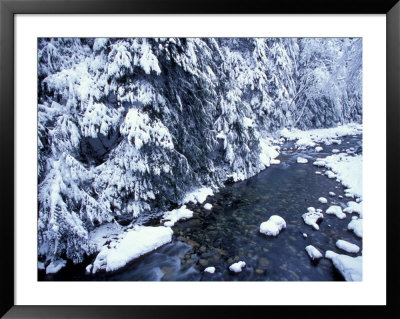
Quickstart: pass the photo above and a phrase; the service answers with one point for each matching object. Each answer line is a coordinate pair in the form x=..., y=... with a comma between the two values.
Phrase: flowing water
x=229, y=232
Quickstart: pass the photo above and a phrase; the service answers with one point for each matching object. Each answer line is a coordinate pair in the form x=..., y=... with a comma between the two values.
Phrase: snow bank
x=210, y=270
x=349, y=267
x=356, y=226
x=327, y=136
x=100, y=235
x=55, y=266
x=313, y=252
x=272, y=226
x=134, y=244
x=302, y=160
x=208, y=206
x=198, y=196
x=337, y=211
x=330, y=174
x=322, y=200
x=173, y=216
x=312, y=217
x=348, y=170
x=237, y=267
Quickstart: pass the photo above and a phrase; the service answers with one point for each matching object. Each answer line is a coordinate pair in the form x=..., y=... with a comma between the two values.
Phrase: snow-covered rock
x=319, y=149
x=210, y=270
x=237, y=267
x=272, y=226
x=337, y=211
x=198, y=195
x=356, y=226
x=322, y=200
x=302, y=160
x=332, y=194
x=330, y=174
x=171, y=217
x=313, y=217
x=313, y=252
x=353, y=207
x=349, y=267
x=208, y=206
x=134, y=244
x=55, y=266
x=346, y=246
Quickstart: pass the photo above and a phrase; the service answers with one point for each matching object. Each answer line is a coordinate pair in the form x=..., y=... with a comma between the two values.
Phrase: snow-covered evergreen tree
x=128, y=126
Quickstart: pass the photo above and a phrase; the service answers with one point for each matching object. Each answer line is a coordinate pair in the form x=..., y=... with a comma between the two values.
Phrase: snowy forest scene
x=200, y=159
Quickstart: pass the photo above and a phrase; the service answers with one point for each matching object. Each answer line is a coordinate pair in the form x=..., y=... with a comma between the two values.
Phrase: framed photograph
x=155, y=153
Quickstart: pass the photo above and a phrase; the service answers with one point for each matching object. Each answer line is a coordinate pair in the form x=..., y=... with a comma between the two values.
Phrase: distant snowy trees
x=127, y=126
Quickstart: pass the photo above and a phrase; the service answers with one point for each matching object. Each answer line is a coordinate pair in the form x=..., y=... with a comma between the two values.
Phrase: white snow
x=312, y=216
x=353, y=207
x=208, y=206
x=89, y=268
x=100, y=235
x=210, y=270
x=319, y=163
x=329, y=254
x=356, y=226
x=319, y=149
x=41, y=265
x=313, y=252
x=198, y=195
x=349, y=267
x=327, y=136
x=332, y=194
x=272, y=226
x=237, y=267
x=348, y=170
x=171, y=217
x=318, y=172
x=337, y=211
x=55, y=266
x=132, y=245
x=268, y=153
x=330, y=174
x=335, y=150
x=302, y=160
x=346, y=246
x=275, y=161
x=322, y=200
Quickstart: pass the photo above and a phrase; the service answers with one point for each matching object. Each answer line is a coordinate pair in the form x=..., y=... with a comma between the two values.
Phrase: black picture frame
x=8, y=8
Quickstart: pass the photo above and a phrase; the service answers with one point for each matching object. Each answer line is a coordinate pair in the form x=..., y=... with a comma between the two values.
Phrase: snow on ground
x=322, y=200
x=134, y=243
x=55, y=266
x=348, y=170
x=268, y=152
x=356, y=226
x=237, y=267
x=171, y=217
x=313, y=252
x=272, y=226
x=327, y=136
x=330, y=174
x=349, y=267
x=208, y=206
x=312, y=217
x=210, y=270
x=302, y=160
x=319, y=149
x=198, y=195
x=353, y=207
x=346, y=246
x=100, y=235
x=337, y=211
